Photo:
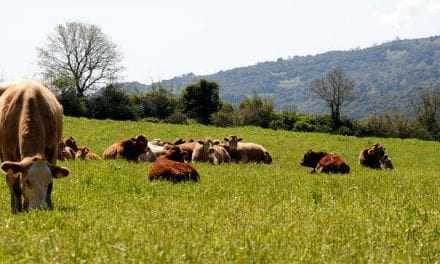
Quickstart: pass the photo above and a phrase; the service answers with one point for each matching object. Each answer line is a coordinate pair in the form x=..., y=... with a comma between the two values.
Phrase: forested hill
x=387, y=77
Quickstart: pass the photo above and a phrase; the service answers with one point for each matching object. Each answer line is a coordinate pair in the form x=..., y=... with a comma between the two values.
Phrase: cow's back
x=30, y=122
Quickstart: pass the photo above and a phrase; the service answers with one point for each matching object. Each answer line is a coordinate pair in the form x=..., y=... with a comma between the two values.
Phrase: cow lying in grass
x=84, y=153
x=218, y=154
x=171, y=168
x=324, y=162
x=375, y=158
x=129, y=149
x=65, y=152
x=246, y=152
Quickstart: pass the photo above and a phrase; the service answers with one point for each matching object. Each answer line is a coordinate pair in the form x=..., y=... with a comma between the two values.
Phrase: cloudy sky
x=164, y=38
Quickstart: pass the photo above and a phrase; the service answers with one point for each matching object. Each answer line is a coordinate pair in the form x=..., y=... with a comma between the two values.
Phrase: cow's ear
x=217, y=142
x=200, y=142
x=16, y=167
x=59, y=172
x=239, y=139
x=226, y=139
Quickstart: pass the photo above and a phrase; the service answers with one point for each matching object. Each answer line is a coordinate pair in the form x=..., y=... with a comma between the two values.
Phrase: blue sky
x=162, y=39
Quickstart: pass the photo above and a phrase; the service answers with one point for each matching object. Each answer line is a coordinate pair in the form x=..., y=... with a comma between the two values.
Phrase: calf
x=164, y=168
x=84, y=153
x=246, y=152
x=71, y=143
x=201, y=151
x=65, y=152
x=375, y=157
x=325, y=162
x=129, y=149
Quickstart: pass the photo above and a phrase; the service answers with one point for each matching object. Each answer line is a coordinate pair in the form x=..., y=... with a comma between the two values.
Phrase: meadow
x=108, y=211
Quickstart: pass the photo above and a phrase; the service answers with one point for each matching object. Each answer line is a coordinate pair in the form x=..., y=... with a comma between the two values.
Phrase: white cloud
x=411, y=13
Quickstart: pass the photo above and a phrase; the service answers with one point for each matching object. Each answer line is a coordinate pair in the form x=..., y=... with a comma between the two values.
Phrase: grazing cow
x=164, y=168
x=246, y=152
x=84, y=153
x=201, y=151
x=31, y=123
x=218, y=154
x=71, y=142
x=129, y=149
x=3, y=87
x=325, y=162
x=375, y=157
x=65, y=152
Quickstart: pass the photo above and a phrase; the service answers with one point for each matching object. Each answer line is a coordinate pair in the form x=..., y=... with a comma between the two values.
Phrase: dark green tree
x=111, y=103
x=200, y=100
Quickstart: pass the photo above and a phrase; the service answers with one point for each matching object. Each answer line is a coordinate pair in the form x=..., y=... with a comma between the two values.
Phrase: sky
x=160, y=39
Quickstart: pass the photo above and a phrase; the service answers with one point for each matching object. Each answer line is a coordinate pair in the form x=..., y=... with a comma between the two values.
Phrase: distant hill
x=387, y=77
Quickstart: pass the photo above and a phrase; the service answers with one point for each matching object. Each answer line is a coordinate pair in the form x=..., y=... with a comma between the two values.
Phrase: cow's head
x=205, y=144
x=140, y=142
x=179, y=141
x=311, y=158
x=82, y=152
x=175, y=153
x=30, y=181
x=232, y=141
x=385, y=163
x=71, y=142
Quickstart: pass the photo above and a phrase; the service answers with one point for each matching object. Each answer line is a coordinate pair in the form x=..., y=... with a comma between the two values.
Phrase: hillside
x=387, y=76
x=108, y=212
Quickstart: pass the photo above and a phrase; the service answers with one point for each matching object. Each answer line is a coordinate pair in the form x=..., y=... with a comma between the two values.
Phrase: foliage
x=113, y=104
x=158, y=103
x=200, y=100
x=225, y=117
x=256, y=111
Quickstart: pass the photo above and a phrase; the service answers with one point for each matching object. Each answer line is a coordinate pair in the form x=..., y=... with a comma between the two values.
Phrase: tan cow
x=84, y=153
x=201, y=150
x=31, y=123
x=65, y=152
x=218, y=154
x=246, y=152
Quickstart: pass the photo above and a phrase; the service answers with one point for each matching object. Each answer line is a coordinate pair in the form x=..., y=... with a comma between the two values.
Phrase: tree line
x=78, y=59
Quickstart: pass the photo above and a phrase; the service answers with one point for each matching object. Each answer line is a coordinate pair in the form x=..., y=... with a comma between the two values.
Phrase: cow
x=325, y=162
x=201, y=150
x=166, y=168
x=3, y=87
x=84, y=153
x=65, y=152
x=130, y=149
x=218, y=154
x=246, y=152
x=188, y=147
x=31, y=124
x=375, y=157
x=71, y=143
x=385, y=163
x=148, y=156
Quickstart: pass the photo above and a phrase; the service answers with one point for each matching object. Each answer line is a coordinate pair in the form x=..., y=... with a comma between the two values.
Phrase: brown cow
x=84, y=153
x=325, y=162
x=246, y=152
x=129, y=149
x=71, y=142
x=218, y=154
x=188, y=147
x=31, y=123
x=164, y=168
x=375, y=157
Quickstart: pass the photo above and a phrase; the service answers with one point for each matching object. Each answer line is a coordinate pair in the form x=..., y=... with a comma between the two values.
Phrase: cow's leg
x=16, y=205
x=49, y=196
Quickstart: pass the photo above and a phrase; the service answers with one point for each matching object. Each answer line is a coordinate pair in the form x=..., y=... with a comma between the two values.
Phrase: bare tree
x=336, y=89
x=79, y=54
x=427, y=108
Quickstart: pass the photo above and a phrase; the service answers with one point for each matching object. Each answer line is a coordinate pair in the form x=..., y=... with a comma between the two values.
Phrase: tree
x=256, y=111
x=427, y=109
x=336, y=89
x=113, y=103
x=82, y=53
x=200, y=100
x=158, y=103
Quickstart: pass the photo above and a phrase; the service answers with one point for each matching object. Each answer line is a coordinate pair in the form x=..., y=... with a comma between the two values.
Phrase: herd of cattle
x=31, y=125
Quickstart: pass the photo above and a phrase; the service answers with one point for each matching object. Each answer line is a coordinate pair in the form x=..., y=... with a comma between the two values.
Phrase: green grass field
x=108, y=211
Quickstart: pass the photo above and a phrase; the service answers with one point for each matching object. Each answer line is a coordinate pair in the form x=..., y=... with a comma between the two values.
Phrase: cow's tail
x=267, y=158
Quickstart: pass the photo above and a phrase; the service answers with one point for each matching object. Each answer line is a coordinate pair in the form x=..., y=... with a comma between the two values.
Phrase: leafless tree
x=79, y=54
x=427, y=108
x=336, y=89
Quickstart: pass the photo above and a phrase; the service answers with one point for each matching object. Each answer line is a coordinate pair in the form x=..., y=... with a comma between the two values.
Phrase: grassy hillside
x=388, y=76
x=107, y=211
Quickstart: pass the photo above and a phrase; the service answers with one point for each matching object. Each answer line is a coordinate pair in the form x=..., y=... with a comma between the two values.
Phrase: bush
x=177, y=118
x=256, y=111
x=284, y=120
x=157, y=103
x=113, y=103
x=225, y=117
x=73, y=105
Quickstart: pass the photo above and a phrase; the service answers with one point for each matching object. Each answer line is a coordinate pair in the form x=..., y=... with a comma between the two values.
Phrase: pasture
x=108, y=212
